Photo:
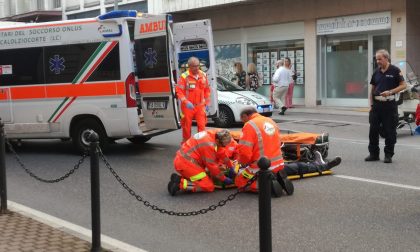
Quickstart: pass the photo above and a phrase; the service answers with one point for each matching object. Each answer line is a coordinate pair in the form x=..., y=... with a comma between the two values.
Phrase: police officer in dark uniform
x=387, y=80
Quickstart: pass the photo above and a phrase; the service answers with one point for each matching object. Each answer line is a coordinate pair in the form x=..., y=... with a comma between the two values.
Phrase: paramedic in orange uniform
x=196, y=154
x=193, y=92
x=260, y=137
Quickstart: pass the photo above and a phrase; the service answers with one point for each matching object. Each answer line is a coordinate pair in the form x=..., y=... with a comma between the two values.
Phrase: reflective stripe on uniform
x=259, y=136
x=246, y=174
x=199, y=146
x=208, y=160
x=246, y=143
x=192, y=160
x=199, y=176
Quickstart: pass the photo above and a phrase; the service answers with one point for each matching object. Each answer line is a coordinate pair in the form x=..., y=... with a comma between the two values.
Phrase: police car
x=232, y=99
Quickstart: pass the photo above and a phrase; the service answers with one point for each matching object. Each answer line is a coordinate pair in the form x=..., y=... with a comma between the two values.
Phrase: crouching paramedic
x=260, y=137
x=193, y=92
x=196, y=154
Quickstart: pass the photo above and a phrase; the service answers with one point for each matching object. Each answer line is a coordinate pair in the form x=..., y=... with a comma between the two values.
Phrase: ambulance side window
x=26, y=66
x=109, y=69
x=64, y=63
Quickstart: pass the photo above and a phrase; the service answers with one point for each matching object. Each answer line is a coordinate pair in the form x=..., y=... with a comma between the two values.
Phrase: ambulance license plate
x=156, y=105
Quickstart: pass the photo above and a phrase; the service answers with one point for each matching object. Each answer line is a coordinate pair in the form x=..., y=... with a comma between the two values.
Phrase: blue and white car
x=232, y=99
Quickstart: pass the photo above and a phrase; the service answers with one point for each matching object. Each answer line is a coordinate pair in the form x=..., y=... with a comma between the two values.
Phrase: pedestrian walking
x=387, y=80
x=281, y=79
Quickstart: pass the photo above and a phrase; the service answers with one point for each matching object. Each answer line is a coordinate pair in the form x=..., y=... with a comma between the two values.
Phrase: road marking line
x=73, y=229
x=378, y=182
x=360, y=141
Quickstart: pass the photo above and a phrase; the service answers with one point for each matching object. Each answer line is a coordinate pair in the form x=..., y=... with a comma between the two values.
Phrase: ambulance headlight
x=245, y=101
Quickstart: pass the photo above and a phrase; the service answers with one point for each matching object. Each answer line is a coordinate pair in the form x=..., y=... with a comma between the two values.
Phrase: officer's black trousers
x=385, y=114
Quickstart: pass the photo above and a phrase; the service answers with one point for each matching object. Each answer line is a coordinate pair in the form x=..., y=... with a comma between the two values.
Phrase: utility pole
x=115, y=4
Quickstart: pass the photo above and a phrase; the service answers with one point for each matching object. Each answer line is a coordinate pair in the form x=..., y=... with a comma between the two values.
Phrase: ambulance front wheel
x=83, y=129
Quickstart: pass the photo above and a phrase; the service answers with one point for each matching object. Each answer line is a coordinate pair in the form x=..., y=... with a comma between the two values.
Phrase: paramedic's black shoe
x=175, y=177
x=276, y=189
x=388, y=160
x=333, y=163
x=371, y=158
x=173, y=185
x=285, y=183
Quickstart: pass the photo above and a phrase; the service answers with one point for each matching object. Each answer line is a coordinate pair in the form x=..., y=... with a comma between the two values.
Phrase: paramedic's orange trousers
x=194, y=177
x=199, y=114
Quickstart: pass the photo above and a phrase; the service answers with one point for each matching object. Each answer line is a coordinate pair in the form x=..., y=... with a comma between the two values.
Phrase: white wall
x=165, y=6
x=278, y=32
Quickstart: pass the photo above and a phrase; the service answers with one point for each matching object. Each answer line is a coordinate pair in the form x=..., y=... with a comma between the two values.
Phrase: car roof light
x=118, y=14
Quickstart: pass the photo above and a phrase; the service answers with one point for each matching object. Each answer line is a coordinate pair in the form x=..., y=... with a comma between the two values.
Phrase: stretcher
x=296, y=147
x=299, y=146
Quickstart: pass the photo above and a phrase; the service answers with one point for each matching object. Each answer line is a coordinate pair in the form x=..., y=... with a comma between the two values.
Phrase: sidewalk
x=27, y=230
x=20, y=233
x=354, y=111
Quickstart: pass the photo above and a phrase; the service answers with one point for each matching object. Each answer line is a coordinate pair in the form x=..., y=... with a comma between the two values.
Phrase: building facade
x=331, y=43
x=30, y=10
x=52, y=10
x=74, y=9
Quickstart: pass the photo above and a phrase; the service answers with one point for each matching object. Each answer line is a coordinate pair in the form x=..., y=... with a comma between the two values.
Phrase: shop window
x=226, y=56
x=265, y=55
x=347, y=68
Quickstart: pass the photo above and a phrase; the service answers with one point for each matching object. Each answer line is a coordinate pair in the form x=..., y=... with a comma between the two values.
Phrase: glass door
x=379, y=42
x=346, y=67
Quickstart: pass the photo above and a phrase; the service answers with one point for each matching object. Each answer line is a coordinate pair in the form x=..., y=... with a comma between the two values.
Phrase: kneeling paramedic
x=261, y=137
x=198, y=153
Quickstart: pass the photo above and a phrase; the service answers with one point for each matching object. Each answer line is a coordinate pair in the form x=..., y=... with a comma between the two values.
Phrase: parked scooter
x=408, y=99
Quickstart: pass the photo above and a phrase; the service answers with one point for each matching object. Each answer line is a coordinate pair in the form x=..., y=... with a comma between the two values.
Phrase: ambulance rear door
x=154, y=72
x=195, y=38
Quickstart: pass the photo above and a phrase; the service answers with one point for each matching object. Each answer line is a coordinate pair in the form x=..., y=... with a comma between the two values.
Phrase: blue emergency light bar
x=118, y=14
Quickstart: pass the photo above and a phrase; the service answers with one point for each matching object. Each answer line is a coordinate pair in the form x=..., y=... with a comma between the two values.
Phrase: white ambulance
x=114, y=74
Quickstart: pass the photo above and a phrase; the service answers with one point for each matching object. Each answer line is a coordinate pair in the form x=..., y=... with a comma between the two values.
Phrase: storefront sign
x=356, y=23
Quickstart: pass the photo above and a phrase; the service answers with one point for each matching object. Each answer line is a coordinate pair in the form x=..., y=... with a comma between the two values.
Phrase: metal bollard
x=95, y=192
x=3, y=188
x=264, y=204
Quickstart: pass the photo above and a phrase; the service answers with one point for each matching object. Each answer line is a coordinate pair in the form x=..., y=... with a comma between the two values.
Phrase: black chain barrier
x=22, y=165
x=169, y=212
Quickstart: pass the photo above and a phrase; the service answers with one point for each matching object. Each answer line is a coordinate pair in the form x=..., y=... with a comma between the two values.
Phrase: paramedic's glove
x=190, y=105
x=232, y=172
x=228, y=181
x=207, y=108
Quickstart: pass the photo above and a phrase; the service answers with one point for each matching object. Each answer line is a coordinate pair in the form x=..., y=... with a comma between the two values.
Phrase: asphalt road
x=363, y=207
